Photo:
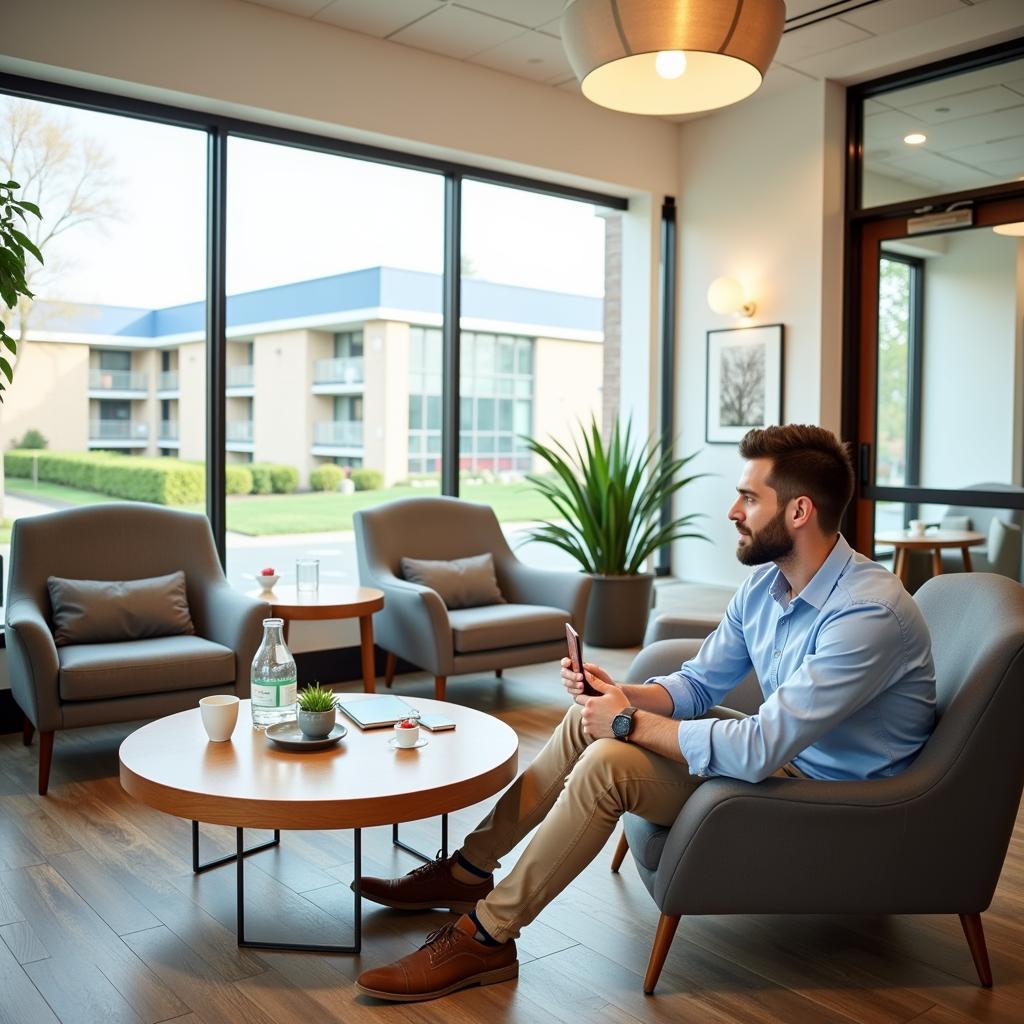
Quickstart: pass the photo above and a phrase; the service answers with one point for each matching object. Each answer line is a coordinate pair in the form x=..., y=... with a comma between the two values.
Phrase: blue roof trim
x=386, y=287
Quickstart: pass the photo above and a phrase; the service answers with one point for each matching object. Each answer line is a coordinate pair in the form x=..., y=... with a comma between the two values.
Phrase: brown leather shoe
x=449, y=960
x=431, y=885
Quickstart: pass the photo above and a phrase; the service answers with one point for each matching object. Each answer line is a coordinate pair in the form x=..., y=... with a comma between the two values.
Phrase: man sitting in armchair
x=844, y=662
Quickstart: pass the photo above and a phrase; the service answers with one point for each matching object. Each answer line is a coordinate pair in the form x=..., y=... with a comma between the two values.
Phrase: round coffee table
x=248, y=782
x=329, y=601
x=904, y=541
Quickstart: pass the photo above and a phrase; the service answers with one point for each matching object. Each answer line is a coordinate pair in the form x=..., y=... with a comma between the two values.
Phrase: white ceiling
x=981, y=134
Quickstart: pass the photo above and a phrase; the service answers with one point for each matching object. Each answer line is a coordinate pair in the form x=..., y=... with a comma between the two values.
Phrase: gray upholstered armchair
x=92, y=683
x=929, y=841
x=416, y=625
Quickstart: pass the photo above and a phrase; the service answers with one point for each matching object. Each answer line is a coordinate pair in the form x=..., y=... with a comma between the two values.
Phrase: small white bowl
x=267, y=582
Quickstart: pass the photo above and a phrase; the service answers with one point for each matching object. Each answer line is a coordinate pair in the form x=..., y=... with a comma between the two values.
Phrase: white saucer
x=422, y=742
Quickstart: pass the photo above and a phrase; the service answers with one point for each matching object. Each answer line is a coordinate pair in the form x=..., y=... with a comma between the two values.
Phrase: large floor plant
x=609, y=496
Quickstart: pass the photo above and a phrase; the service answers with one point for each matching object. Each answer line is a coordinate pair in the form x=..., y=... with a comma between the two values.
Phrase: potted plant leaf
x=14, y=245
x=610, y=497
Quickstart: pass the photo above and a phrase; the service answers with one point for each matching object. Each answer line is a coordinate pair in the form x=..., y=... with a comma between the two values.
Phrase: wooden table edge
x=328, y=815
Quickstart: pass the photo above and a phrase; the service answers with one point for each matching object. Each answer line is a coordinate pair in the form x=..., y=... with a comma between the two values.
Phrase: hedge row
x=160, y=481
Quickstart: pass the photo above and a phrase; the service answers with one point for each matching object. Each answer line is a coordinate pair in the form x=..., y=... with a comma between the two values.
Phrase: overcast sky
x=294, y=215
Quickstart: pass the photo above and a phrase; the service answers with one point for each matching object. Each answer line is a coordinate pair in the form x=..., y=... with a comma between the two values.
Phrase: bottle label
x=274, y=695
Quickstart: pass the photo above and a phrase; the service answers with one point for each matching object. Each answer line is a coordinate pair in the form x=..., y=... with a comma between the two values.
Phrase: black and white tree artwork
x=742, y=386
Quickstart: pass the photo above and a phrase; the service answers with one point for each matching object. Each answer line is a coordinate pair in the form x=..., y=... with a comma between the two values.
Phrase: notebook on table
x=376, y=712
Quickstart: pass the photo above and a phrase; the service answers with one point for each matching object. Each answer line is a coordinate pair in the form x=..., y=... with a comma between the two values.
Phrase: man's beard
x=769, y=544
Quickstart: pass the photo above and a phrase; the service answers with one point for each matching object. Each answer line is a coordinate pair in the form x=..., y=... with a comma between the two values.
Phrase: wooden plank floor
x=101, y=920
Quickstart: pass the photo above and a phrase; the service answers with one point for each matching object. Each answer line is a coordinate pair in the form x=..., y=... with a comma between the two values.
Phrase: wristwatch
x=622, y=724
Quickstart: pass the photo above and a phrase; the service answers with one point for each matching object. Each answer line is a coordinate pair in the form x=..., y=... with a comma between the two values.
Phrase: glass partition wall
x=935, y=340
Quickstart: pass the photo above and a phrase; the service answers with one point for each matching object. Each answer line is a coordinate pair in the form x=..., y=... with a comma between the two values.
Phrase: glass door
x=941, y=400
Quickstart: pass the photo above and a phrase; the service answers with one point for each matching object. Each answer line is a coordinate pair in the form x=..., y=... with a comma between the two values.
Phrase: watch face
x=620, y=726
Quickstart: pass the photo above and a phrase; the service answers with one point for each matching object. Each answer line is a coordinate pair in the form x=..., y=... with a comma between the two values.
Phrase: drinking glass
x=307, y=574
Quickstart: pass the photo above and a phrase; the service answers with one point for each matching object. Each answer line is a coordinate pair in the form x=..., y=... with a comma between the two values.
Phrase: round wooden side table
x=329, y=601
x=935, y=541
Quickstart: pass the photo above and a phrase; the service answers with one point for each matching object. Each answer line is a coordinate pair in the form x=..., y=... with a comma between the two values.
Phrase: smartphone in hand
x=576, y=658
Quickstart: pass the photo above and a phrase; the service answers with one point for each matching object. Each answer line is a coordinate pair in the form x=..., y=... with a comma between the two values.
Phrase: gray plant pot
x=316, y=725
x=618, y=609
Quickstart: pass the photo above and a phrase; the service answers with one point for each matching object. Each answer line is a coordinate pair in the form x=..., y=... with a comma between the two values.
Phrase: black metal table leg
x=198, y=868
x=304, y=947
x=417, y=853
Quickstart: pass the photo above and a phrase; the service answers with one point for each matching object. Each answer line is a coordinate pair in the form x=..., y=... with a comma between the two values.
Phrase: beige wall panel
x=191, y=412
x=51, y=394
x=567, y=382
x=386, y=399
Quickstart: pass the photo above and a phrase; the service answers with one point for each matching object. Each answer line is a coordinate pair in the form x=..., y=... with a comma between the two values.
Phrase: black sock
x=482, y=935
x=471, y=868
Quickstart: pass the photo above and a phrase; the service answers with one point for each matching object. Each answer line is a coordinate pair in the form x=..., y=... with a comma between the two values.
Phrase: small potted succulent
x=317, y=706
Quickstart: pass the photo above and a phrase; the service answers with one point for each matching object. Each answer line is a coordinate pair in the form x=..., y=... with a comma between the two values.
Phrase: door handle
x=865, y=464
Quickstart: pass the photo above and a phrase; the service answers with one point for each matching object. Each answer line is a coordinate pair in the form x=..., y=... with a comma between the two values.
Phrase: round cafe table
x=329, y=601
x=248, y=782
x=934, y=541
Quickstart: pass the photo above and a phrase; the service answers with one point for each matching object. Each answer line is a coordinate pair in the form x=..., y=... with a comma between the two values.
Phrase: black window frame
x=219, y=129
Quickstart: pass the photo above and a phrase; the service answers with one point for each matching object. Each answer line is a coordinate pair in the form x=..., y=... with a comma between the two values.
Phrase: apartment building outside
x=343, y=369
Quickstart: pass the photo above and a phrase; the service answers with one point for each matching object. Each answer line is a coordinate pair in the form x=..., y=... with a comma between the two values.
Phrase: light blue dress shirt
x=845, y=668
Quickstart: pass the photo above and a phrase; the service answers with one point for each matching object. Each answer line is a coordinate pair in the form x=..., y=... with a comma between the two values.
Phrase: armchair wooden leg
x=45, y=757
x=971, y=924
x=662, y=941
x=497, y=673
x=390, y=664
x=620, y=853
x=28, y=730
x=439, y=684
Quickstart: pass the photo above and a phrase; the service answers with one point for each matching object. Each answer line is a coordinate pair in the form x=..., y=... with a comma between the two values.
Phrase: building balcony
x=169, y=434
x=167, y=381
x=118, y=434
x=240, y=379
x=342, y=376
x=338, y=437
x=117, y=384
x=238, y=436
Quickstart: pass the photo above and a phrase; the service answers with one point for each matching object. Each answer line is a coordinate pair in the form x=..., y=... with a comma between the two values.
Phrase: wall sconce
x=725, y=296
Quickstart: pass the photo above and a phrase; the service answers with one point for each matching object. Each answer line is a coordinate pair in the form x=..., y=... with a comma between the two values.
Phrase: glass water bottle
x=273, y=678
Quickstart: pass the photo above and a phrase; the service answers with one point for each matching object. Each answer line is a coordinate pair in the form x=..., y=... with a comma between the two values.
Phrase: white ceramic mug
x=407, y=737
x=917, y=527
x=220, y=716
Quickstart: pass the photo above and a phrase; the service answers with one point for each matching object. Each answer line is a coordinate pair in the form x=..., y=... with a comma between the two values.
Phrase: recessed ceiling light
x=915, y=138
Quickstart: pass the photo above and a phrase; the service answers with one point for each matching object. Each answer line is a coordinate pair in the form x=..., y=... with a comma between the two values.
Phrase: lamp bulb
x=670, y=63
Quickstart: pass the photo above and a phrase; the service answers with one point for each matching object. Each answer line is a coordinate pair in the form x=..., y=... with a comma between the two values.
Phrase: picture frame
x=744, y=379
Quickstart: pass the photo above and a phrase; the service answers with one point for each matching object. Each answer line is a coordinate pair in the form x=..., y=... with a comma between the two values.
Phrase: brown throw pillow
x=462, y=583
x=101, y=611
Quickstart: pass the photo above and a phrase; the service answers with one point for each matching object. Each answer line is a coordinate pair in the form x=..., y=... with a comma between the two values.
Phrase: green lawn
x=259, y=515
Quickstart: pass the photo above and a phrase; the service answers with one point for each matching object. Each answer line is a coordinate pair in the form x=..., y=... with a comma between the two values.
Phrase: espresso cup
x=917, y=527
x=407, y=737
x=220, y=716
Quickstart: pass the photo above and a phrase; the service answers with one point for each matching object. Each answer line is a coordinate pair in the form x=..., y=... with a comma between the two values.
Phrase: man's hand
x=573, y=681
x=598, y=712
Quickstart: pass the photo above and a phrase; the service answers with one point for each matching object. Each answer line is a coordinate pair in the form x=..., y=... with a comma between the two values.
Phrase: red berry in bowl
x=407, y=724
x=267, y=572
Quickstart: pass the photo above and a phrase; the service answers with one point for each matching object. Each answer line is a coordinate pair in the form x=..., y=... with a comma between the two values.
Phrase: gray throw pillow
x=462, y=583
x=102, y=611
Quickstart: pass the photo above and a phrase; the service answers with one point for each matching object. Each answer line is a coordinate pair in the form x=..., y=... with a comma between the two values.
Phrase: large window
x=119, y=308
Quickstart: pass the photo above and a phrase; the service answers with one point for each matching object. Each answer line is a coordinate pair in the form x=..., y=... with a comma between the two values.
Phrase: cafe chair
x=100, y=680
x=928, y=841
x=527, y=627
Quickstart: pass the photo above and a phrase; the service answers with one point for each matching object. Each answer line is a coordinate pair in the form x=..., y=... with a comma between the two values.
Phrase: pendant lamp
x=670, y=56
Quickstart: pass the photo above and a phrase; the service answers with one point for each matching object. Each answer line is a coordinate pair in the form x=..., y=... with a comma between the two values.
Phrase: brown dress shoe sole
x=485, y=978
x=455, y=906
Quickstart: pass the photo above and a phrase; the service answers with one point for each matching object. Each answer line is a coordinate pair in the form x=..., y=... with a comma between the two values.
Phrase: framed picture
x=744, y=381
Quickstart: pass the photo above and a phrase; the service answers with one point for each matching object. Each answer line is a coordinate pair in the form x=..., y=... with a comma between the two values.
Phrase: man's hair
x=805, y=460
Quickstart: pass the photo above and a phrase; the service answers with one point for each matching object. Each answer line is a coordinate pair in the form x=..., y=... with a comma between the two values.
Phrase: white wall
x=970, y=341
x=760, y=197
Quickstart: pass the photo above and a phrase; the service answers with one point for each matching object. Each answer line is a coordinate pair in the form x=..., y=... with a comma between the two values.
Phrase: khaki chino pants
x=576, y=789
